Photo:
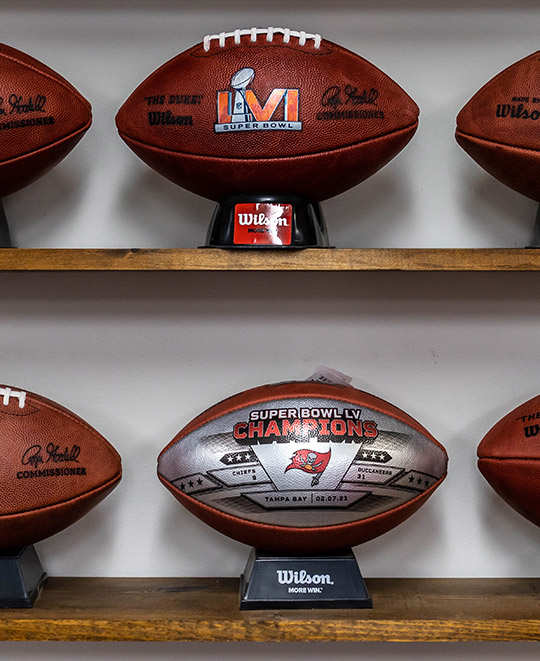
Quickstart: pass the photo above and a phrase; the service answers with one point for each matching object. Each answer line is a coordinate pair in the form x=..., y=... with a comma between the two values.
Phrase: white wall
x=138, y=355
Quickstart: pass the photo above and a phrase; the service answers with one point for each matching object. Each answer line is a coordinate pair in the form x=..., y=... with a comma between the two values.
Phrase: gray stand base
x=273, y=580
x=21, y=578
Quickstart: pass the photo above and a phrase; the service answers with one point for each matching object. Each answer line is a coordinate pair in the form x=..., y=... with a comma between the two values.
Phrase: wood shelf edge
x=265, y=631
x=339, y=259
x=405, y=610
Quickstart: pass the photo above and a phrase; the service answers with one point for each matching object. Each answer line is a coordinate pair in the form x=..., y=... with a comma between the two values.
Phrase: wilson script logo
x=302, y=582
x=518, y=110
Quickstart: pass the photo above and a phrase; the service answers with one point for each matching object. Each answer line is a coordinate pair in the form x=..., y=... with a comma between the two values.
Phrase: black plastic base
x=243, y=221
x=5, y=238
x=273, y=580
x=21, y=578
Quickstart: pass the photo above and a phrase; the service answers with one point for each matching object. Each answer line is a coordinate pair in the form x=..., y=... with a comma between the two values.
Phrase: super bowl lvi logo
x=241, y=110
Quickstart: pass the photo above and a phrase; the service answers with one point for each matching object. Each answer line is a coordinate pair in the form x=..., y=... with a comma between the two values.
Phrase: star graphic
x=190, y=483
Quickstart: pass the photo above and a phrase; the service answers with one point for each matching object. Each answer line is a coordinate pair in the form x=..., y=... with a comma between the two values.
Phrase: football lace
x=255, y=32
x=7, y=393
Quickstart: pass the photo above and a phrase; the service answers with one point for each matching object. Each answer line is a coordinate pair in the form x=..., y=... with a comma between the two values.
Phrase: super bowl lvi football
x=267, y=110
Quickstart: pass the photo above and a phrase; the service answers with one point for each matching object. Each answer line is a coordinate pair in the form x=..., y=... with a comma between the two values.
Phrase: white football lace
x=17, y=394
x=255, y=32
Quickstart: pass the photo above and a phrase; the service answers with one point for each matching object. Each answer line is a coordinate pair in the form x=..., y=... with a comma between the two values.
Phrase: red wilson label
x=262, y=223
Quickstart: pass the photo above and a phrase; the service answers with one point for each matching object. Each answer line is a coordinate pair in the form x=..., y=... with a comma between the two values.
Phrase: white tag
x=328, y=375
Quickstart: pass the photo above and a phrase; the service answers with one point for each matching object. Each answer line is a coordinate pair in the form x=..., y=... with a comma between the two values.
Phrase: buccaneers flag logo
x=310, y=461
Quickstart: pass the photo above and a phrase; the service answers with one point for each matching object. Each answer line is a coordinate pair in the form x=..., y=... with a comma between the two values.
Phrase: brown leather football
x=509, y=459
x=499, y=126
x=42, y=117
x=267, y=111
x=54, y=468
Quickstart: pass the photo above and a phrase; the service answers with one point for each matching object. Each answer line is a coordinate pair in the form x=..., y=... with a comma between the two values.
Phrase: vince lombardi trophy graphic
x=256, y=219
x=240, y=82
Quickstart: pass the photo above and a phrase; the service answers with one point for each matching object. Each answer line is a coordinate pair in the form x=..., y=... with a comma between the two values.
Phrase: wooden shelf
x=206, y=609
x=369, y=259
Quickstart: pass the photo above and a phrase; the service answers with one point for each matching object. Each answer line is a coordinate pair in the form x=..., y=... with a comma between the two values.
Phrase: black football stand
x=5, y=238
x=21, y=577
x=275, y=222
x=274, y=580
x=535, y=243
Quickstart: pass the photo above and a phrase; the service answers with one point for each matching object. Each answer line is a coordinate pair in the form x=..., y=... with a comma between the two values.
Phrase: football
x=42, y=117
x=303, y=467
x=509, y=459
x=498, y=127
x=270, y=111
x=55, y=468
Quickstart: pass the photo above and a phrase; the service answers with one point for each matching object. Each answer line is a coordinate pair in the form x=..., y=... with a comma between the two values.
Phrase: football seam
x=19, y=415
x=46, y=147
x=75, y=418
x=114, y=479
x=403, y=129
x=274, y=526
x=58, y=81
x=418, y=427
x=197, y=53
x=509, y=458
x=493, y=142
